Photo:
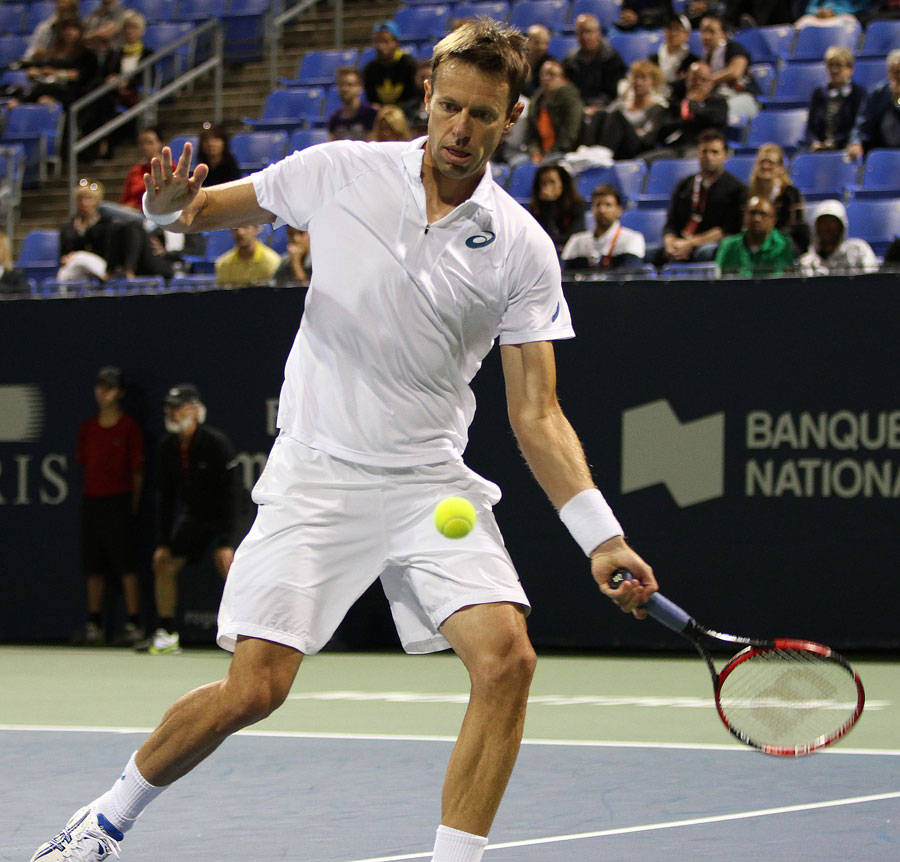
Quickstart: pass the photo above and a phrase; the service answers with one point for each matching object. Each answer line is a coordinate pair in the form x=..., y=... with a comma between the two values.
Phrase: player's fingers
x=156, y=173
x=184, y=161
x=201, y=172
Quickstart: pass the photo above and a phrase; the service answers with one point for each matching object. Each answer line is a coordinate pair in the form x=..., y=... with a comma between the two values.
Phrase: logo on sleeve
x=480, y=240
x=555, y=314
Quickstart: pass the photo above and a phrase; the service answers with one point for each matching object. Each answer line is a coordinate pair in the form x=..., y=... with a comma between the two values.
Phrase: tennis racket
x=787, y=697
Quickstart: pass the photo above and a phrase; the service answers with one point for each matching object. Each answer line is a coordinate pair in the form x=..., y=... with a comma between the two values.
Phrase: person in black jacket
x=833, y=108
x=199, y=501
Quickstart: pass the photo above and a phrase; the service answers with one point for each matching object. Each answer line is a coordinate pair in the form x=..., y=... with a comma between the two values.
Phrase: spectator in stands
x=878, y=122
x=390, y=77
x=46, y=31
x=416, y=114
x=123, y=59
x=704, y=207
x=12, y=280
x=760, y=248
x=730, y=65
x=353, y=120
x=820, y=13
x=693, y=109
x=674, y=56
x=150, y=144
x=93, y=245
x=609, y=246
x=832, y=253
x=537, y=45
x=249, y=262
x=555, y=115
x=556, y=204
x=199, y=506
x=390, y=125
x=214, y=150
x=769, y=179
x=64, y=71
x=111, y=453
x=644, y=14
x=103, y=28
x=833, y=108
x=594, y=67
x=630, y=125
x=296, y=264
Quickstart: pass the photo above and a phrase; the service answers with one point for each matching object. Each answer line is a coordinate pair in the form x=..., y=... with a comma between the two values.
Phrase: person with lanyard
x=609, y=246
x=374, y=414
x=704, y=207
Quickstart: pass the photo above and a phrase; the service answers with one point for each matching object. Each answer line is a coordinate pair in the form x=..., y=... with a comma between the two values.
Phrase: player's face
x=467, y=116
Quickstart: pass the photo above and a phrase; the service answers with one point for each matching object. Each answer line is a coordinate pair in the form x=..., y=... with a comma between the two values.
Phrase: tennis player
x=420, y=263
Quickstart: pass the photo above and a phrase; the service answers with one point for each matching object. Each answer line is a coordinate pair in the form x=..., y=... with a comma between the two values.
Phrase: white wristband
x=590, y=520
x=161, y=219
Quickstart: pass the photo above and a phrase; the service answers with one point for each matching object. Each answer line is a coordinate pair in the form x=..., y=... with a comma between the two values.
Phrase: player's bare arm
x=172, y=187
x=556, y=458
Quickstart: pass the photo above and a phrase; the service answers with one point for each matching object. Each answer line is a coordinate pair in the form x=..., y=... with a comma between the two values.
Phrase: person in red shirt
x=150, y=145
x=111, y=451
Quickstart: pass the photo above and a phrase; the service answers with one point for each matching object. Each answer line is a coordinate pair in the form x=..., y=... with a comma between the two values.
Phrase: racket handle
x=663, y=610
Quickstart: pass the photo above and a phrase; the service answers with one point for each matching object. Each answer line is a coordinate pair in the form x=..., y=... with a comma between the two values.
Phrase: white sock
x=127, y=798
x=451, y=845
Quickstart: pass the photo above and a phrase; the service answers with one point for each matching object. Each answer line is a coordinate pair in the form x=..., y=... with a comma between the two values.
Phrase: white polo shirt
x=615, y=240
x=399, y=313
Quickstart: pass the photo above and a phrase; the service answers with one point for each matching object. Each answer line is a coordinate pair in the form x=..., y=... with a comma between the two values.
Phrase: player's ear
x=514, y=115
x=428, y=94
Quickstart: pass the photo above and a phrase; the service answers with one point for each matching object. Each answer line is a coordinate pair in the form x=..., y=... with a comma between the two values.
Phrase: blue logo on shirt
x=555, y=313
x=480, y=240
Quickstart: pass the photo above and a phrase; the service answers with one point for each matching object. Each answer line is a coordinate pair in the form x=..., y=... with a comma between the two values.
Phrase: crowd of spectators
x=672, y=104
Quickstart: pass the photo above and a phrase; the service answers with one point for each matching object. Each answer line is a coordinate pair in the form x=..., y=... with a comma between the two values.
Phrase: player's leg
x=258, y=680
x=493, y=643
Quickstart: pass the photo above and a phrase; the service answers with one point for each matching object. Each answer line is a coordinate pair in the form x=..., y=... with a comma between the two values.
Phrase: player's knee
x=254, y=700
x=508, y=669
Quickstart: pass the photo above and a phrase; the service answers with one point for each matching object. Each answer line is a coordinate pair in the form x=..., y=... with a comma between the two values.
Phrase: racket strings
x=788, y=698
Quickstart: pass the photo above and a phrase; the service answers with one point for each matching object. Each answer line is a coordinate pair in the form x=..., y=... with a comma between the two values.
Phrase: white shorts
x=327, y=528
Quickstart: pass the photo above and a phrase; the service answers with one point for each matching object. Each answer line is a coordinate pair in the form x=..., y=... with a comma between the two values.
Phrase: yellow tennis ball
x=454, y=517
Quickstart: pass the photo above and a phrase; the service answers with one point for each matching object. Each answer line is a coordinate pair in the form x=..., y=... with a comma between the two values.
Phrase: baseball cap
x=387, y=26
x=181, y=393
x=111, y=376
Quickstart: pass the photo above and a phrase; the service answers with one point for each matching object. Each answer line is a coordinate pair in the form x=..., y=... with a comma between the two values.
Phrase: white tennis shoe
x=88, y=837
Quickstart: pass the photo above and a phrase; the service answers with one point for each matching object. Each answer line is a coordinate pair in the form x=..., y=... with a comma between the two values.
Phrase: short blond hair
x=843, y=55
x=650, y=68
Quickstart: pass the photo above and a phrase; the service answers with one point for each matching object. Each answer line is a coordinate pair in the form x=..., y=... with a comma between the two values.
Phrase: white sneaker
x=88, y=837
x=164, y=643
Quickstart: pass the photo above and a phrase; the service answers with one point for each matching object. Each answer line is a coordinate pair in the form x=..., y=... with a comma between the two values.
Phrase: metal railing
x=274, y=36
x=151, y=96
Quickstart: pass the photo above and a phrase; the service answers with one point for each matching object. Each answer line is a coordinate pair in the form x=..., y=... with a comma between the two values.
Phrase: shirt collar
x=481, y=198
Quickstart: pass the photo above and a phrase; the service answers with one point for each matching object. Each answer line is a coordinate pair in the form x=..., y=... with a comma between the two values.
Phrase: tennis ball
x=454, y=517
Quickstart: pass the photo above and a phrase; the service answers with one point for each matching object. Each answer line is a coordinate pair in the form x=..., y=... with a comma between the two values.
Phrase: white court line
x=670, y=824
x=397, y=737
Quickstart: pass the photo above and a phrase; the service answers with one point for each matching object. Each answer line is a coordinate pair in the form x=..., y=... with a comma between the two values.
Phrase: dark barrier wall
x=746, y=433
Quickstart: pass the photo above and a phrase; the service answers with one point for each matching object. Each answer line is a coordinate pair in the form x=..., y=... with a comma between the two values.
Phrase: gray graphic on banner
x=21, y=413
x=687, y=457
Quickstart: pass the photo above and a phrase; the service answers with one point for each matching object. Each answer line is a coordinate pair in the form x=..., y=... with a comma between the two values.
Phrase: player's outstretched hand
x=170, y=186
x=631, y=595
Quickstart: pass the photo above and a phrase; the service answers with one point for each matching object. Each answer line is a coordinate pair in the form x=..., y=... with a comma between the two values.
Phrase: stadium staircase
x=244, y=92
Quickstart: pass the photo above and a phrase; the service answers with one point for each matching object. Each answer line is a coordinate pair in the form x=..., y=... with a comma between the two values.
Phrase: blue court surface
x=343, y=795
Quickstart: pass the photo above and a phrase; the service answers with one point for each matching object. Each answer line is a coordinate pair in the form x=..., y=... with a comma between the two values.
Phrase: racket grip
x=661, y=609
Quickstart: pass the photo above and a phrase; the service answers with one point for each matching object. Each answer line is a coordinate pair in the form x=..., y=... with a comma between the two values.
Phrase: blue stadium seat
x=766, y=44
x=649, y=222
x=499, y=11
x=520, y=179
x=553, y=14
x=588, y=179
x=317, y=68
x=820, y=176
x=39, y=255
x=635, y=44
x=422, y=23
x=875, y=221
x=629, y=175
x=694, y=271
x=303, y=138
x=39, y=129
x=289, y=109
x=12, y=18
x=189, y=282
x=560, y=45
x=217, y=242
x=199, y=10
x=765, y=75
x=177, y=143
x=881, y=37
x=500, y=173
x=12, y=47
x=245, y=25
x=161, y=34
x=812, y=42
x=740, y=166
x=277, y=239
x=37, y=12
x=869, y=71
x=606, y=11
x=663, y=176
x=255, y=150
x=880, y=176
x=132, y=286
x=784, y=128
x=795, y=84
x=154, y=10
